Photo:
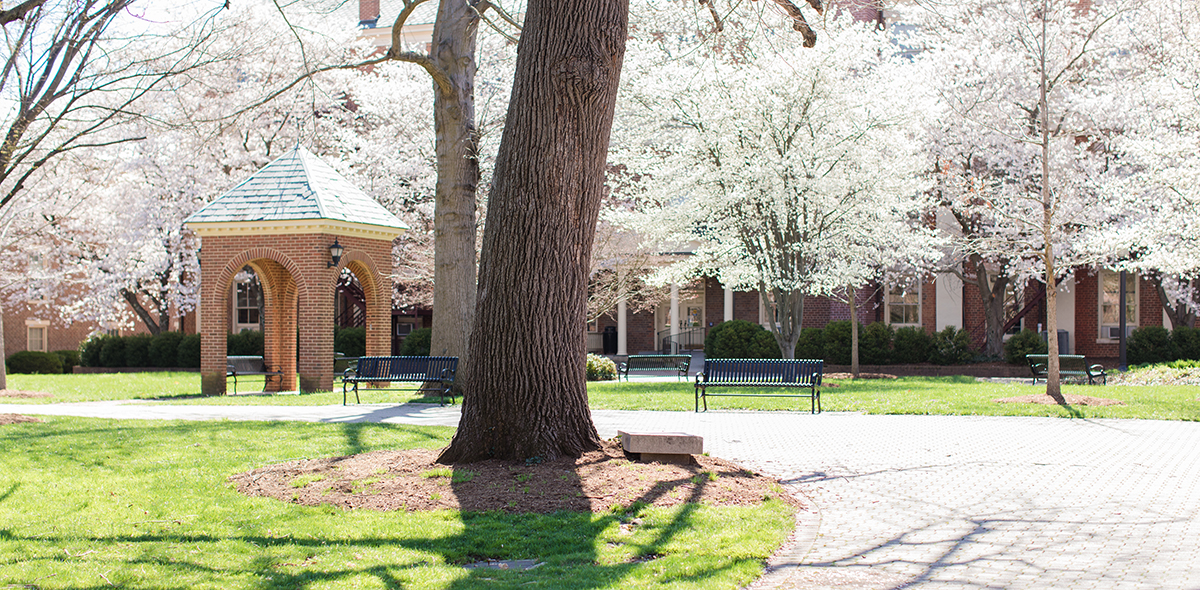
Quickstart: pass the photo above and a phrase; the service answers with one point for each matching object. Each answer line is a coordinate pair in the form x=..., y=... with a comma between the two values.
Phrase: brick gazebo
x=282, y=222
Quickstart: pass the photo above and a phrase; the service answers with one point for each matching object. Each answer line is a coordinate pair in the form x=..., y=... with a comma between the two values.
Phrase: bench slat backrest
x=1066, y=362
x=657, y=361
x=806, y=372
x=405, y=368
x=245, y=364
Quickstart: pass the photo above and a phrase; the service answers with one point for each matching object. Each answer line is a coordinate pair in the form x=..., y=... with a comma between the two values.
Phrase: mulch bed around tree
x=413, y=480
x=1072, y=400
x=16, y=419
x=23, y=394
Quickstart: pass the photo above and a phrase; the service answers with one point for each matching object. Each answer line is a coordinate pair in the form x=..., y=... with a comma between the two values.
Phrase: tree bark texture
x=457, y=147
x=525, y=393
x=991, y=294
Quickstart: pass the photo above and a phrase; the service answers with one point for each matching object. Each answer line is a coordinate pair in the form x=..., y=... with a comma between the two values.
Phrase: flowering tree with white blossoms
x=1160, y=149
x=1026, y=135
x=794, y=172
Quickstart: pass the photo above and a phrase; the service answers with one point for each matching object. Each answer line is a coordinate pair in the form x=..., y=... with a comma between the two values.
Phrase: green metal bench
x=438, y=370
x=1069, y=365
x=761, y=373
x=655, y=363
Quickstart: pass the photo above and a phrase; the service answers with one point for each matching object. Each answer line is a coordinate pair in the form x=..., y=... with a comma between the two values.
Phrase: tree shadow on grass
x=575, y=549
x=565, y=560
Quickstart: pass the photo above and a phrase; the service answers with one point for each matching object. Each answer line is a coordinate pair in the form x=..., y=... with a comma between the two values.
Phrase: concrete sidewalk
x=912, y=501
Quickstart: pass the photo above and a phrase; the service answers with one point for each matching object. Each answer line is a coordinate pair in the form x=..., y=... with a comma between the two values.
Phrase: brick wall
x=60, y=334
x=714, y=302
x=298, y=293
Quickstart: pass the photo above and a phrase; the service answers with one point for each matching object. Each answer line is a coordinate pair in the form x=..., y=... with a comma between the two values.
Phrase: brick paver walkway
x=920, y=501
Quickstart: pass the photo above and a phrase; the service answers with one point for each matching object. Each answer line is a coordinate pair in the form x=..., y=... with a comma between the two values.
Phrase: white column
x=728, y=303
x=674, y=317
x=622, y=349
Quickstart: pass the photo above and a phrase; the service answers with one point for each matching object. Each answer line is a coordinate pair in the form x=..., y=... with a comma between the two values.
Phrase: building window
x=37, y=334
x=247, y=302
x=904, y=305
x=37, y=339
x=1110, y=295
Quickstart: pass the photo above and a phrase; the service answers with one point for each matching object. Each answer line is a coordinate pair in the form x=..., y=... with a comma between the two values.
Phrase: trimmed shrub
x=112, y=352
x=837, y=342
x=34, y=362
x=600, y=368
x=875, y=344
x=352, y=341
x=244, y=343
x=1022, y=343
x=740, y=339
x=1150, y=344
x=417, y=342
x=951, y=347
x=1187, y=343
x=89, y=350
x=811, y=344
x=137, y=350
x=911, y=345
x=164, y=349
x=188, y=355
x=69, y=358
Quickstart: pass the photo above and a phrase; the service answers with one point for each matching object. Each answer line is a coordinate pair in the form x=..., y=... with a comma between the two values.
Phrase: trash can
x=610, y=339
x=1064, y=341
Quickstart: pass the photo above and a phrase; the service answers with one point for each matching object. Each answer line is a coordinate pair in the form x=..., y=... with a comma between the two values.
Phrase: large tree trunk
x=457, y=147
x=525, y=393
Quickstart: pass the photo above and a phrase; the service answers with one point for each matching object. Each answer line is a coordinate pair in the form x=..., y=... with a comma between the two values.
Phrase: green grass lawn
x=908, y=395
x=89, y=503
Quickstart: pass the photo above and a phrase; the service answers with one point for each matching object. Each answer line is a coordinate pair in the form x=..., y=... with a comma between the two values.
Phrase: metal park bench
x=761, y=373
x=655, y=363
x=1069, y=365
x=243, y=366
x=435, y=370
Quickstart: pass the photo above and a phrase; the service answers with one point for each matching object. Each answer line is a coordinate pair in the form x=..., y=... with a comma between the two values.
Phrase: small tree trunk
x=457, y=147
x=853, y=332
x=525, y=393
x=3, y=355
x=1053, y=383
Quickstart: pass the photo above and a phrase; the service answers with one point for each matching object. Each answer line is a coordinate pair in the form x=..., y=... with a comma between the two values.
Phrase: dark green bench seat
x=655, y=363
x=423, y=370
x=1069, y=365
x=760, y=373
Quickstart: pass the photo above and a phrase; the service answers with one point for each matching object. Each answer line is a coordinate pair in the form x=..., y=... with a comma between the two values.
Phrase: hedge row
x=878, y=344
x=1154, y=344
x=42, y=363
x=168, y=349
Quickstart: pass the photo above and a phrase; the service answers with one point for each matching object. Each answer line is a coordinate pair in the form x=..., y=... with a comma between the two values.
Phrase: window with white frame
x=37, y=334
x=903, y=305
x=247, y=301
x=1110, y=310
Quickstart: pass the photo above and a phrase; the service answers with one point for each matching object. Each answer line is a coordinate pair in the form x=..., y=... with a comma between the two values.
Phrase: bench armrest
x=1096, y=369
x=349, y=374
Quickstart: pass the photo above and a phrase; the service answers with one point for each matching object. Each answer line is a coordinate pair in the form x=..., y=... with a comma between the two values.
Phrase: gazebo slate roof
x=296, y=186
